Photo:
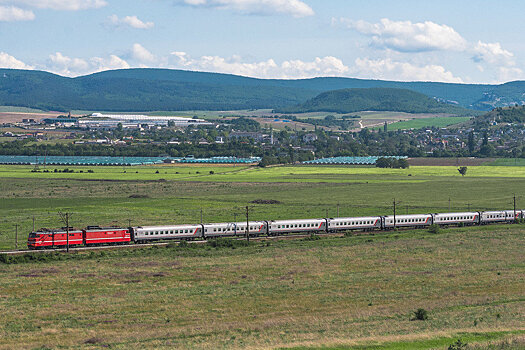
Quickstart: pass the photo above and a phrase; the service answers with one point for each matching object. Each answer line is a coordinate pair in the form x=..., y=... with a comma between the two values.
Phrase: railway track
x=157, y=244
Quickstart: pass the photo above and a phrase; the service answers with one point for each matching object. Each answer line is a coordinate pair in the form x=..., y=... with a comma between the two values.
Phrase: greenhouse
x=79, y=160
x=350, y=160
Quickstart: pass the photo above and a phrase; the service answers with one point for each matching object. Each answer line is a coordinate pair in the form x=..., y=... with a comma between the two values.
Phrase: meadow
x=440, y=122
x=353, y=292
x=178, y=194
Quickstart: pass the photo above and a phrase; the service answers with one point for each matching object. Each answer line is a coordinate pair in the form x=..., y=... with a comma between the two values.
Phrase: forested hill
x=515, y=114
x=375, y=99
x=164, y=89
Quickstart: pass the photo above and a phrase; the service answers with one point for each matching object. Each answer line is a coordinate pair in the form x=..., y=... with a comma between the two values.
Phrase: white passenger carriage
x=468, y=218
x=153, y=233
x=257, y=228
x=359, y=223
x=493, y=216
x=417, y=220
x=511, y=215
x=279, y=227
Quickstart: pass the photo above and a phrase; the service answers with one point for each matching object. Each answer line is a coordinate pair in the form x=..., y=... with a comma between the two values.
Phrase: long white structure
x=110, y=121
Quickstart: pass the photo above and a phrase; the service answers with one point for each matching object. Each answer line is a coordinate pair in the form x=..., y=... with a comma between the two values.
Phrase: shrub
x=212, y=172
x=434, y=228
x=420, y=315
x=312, y=237
x=457, y=345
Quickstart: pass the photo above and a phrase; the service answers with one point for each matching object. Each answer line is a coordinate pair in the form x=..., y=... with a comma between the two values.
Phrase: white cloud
x=8, y=61
x=493, y=53
x=113, y=62
x=131, y=21
x=295, y=8
x=405, y=36
x=68, y=5
x=12, y=14
x=67, y=66
x=404, y=71
x=505, y=74
x=293, y=69
x=141, y=54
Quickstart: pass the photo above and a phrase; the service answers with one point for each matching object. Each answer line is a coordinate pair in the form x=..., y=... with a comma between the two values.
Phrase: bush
x=434, y=228
x=457, y=345
x=212, y=172
x=312, y=237
x=420, y=315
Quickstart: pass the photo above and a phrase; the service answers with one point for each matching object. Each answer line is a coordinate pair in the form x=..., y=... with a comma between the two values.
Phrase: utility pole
x=395, y=211
x=449, y=204
x=65, y=219
x=129, y=222
x=16, y=236
x=468, y=204
x=326, y=212
x=514, y=198
x=247, y=224
x=201, y=217
x=33, y=223
x=337, y=209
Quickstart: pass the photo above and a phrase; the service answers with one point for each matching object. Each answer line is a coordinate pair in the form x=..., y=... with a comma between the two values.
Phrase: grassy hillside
x=349, y=291
x=169, y=90
x=374, y=99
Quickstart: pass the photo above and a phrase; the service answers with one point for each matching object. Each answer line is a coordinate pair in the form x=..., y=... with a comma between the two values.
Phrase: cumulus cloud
x=295, y=8
x=493, y=53
x=293, y=69
x=8, y=61
x=113, y=62
x=12, y=14
x=393, y=70
x=140, y=53
x=67, y=5
x=131, y=21
x=405, y=36
x=67, y=66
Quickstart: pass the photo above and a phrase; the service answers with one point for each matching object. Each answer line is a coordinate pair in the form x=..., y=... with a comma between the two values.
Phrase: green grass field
x=440, y=122
x=356, y=292
x=177, y=194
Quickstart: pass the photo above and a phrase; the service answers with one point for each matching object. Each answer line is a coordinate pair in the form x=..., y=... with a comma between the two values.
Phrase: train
x=96, y=235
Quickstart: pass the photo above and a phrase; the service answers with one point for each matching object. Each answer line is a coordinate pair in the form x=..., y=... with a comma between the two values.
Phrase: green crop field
x=439, y=122
x=349, y=292
x=176, y=194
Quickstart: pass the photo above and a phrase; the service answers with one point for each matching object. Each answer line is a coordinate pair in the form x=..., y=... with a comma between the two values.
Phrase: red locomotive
x=92, y=235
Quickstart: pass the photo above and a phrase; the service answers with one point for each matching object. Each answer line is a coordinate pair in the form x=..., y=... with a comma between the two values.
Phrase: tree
x=385, y=127
x=384, y=162
x=402, y=163
x=471, y=143
x=463, y=170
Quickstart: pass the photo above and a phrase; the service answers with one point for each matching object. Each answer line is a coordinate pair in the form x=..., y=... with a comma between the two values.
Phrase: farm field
x=348, y=292
x=242, y=173
x=440, y=122
x=111, y=197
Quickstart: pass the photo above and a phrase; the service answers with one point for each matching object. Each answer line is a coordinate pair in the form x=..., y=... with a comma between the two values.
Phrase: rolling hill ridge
x=148, y=89
x=375, y=99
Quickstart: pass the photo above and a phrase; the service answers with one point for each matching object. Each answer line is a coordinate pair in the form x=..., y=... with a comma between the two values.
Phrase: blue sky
x=451, y=41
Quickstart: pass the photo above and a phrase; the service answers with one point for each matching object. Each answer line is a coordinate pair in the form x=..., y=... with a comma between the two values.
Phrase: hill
x=515, y=114
x=166, y=89
x=375, y=99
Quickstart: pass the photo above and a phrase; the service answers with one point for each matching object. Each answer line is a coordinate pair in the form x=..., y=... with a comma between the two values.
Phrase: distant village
x=495, y=139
